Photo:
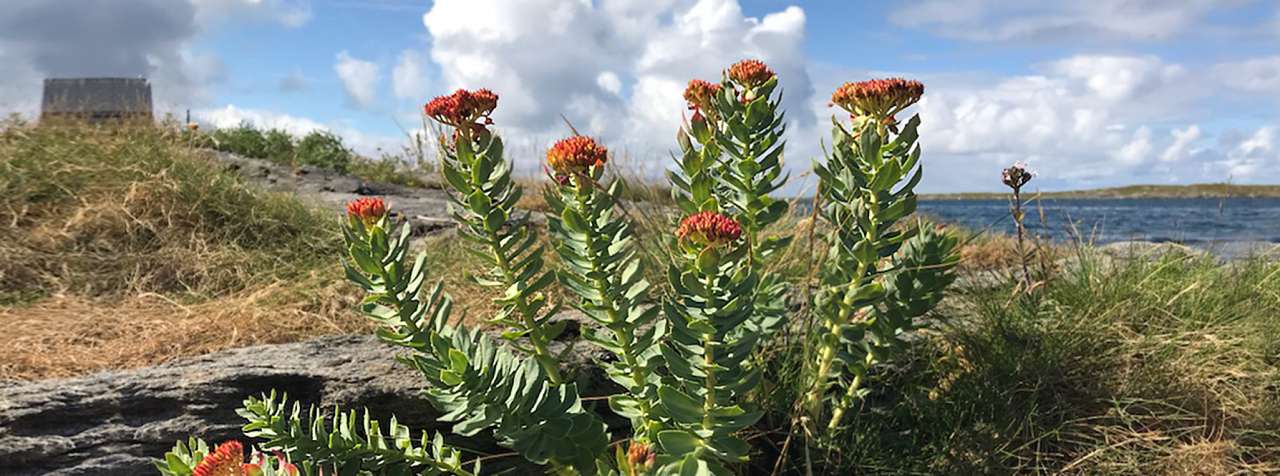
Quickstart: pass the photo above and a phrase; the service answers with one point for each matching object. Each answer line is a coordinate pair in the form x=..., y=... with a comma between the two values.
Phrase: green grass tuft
x=1133, y=367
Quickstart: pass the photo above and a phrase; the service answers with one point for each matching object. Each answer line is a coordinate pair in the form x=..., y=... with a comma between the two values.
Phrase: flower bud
x=709, y=229
x=878, y=98
x=251, y=469
x=368, y=211
x=640, y=457
x=576, y=155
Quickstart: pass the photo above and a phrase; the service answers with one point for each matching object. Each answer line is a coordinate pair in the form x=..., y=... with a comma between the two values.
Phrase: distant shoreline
x=1203, y=190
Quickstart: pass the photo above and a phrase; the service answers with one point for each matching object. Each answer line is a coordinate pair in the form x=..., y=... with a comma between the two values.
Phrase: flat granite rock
x=114, y=423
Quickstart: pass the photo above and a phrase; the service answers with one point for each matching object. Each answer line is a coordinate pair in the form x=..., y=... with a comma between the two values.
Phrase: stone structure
x=96, y=100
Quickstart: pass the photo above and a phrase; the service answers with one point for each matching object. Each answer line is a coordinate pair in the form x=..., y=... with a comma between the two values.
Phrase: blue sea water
x=1192, y=221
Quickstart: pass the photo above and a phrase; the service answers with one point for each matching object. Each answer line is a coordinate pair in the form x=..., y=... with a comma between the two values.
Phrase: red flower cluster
x=699, y=94
x=708, y=228
x=367, y=210
x=575, y=155
x=879, y=98
x=463, y=109
x=750, y=73
x=226, y=460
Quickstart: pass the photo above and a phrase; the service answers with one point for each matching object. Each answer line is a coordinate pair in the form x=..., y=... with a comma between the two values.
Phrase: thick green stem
x=470, y=159
x=536, y=337
x=709, y=399
x=708, y=362
x=828, y=350
x=845, y=403
x=618, y=322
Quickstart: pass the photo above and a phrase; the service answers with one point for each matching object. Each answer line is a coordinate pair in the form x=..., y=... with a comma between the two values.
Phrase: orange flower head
x=699, y=94
x=463, y=109
x=708, y=229
x=226, y=460
x=368, y=210
x=879, y=98
x=750, y=73
x=575, y=155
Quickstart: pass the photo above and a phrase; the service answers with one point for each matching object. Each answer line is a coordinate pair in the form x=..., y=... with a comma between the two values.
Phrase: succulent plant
x=684, y=361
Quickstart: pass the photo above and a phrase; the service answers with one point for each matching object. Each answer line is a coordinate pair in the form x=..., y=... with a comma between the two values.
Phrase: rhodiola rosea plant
x=686, y=360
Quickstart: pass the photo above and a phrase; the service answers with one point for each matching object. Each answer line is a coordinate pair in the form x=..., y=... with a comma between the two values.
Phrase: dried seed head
x=1017, y=175
x=750, y=73
x=708, y=229
x=879, y=98
x=366, y=210
x=576, y=155
x=226, y=460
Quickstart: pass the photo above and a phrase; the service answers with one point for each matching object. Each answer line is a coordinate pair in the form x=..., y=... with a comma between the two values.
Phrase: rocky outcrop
x=114, y=423
x=425, y=208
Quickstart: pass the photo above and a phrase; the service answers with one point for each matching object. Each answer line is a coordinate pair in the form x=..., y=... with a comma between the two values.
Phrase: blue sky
x=1091, y=93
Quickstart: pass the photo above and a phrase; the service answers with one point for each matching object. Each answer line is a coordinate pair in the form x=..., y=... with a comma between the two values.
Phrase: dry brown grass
x=992, y=252
x=126, y=247
x=532, y=198
x=66, y=336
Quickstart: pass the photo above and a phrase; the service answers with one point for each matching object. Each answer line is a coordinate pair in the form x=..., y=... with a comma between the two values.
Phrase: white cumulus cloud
x=1183, y=145
x=1090, y=20
x=1084, y=120
x=1254, y=75
x=409, y=78
x=614, y=69
x=359, y=79
x=1253, y=155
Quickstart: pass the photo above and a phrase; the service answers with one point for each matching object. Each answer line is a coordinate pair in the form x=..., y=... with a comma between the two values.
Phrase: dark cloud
x=98, y=37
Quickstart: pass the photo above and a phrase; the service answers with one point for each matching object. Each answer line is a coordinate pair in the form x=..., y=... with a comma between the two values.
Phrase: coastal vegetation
x=130, y=247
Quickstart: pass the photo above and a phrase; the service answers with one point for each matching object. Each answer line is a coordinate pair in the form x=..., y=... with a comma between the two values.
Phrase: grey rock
x=114, y=423
x=427, y=209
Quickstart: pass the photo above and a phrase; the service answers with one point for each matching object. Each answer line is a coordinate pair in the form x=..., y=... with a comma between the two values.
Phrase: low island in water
x=1221, y=217
x=1199, y=190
